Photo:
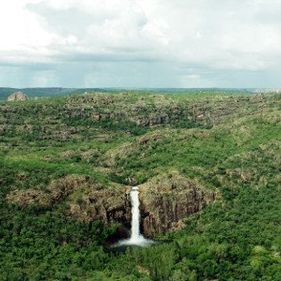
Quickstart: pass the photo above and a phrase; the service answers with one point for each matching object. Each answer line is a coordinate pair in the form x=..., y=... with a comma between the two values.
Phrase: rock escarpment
x=56, y=191
x=85, y=200
x=107, y=205
x=157, y=110
x=167, y=200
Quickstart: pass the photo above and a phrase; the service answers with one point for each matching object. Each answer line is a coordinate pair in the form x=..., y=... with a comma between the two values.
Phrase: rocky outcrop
x=17, y=96
x=85, y=200
x=54, y=192
x=108, y=205
x=167, y=200
x=28, y=197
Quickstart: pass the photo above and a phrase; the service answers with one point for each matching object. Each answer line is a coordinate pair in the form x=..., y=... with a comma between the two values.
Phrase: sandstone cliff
x=165, y=201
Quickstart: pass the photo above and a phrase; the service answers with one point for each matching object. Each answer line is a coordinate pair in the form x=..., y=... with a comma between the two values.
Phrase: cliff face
x=109, y=206
x=167, y=200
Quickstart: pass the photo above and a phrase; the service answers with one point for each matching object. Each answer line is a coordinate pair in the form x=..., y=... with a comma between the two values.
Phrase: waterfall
x=135, y=223
x=136, y=238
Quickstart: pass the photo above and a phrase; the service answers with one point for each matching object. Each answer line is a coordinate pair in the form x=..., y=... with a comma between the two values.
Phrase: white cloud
x=19, y=28
x=207, y=35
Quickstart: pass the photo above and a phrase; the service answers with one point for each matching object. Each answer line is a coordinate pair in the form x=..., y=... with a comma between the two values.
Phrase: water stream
x=136, y=237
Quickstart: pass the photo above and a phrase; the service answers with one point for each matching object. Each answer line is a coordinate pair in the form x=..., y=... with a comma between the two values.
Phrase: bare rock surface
x=167, y=200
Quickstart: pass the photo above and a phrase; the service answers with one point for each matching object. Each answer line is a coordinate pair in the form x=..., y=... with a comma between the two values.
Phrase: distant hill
x=43, y=92
x=35, y=92
x=60, y=91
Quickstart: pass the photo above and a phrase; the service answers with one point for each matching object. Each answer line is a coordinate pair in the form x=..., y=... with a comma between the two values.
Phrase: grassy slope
x=236, y=149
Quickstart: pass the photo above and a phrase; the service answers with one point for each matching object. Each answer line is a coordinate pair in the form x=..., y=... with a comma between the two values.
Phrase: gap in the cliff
x=136, y=238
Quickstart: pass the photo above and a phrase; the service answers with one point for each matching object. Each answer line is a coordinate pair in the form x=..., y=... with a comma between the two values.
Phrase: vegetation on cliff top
x=228, y=144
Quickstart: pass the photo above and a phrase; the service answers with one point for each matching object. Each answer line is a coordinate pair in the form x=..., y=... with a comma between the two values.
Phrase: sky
x=140, y=43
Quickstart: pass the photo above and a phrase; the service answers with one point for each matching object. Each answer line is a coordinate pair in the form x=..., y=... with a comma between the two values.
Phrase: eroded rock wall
x=167, y=200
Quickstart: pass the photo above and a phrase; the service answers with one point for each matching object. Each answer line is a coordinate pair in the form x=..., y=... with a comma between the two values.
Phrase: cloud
x=187, y=43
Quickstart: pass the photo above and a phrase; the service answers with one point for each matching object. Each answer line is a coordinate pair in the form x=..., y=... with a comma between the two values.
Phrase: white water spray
x=136, y=237
x=135, y=234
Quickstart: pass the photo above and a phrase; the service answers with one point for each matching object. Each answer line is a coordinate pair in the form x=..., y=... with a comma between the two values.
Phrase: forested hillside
x=209, y=171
